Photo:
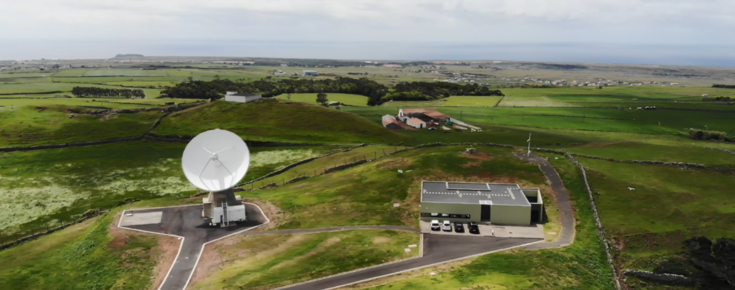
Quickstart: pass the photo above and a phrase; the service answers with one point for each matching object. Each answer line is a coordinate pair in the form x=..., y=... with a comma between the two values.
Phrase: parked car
x=447, y=227
x=473, y=228
x=458, y=227
x=435, y=225
x=432, y=128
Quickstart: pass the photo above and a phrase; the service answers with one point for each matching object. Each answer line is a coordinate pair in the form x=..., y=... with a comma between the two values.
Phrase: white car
x=447, y=226
x=435, y=225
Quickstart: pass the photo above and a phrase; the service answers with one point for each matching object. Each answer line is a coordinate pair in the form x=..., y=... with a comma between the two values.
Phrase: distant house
x=705, y=95
x=309, y=73
x=393, y=65
x=416, y=123
x=244, y=98
x=390, y=122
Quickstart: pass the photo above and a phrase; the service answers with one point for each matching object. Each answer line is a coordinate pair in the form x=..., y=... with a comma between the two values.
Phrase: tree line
x=699, y=134
x=723, y=86
x=718, y=99
x=95, y=92
x=377, y=93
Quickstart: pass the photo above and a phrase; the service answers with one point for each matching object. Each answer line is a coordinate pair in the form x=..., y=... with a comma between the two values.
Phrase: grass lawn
x=26, y=126
x=379, y=185
x=581, y=265
x=471, y=101
x=70, y=73
x=318, y=166
x=686, y=203
x=269, y=120
x=347, y=99
x=414, y=104
x=124, y=72
x=142, y=84
x=270, y=261
x=45, y=188
x=85, y=256
x=570, y=97
x=639, y=151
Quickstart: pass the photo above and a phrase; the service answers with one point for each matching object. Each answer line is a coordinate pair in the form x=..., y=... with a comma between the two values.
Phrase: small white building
x=238, y=98
x=309, y=73
x=416, y=123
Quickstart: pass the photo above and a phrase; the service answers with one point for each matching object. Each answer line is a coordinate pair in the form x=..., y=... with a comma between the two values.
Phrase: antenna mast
x=528, y=154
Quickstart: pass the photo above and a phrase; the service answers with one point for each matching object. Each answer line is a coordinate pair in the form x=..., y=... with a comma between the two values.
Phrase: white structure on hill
x=309, y=73
x=416, y=123
x=234, y=97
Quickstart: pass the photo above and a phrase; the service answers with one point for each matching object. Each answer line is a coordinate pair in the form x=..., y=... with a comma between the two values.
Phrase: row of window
x=445, y=215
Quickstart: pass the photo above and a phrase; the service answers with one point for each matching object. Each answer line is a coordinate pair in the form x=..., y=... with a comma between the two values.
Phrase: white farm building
x=237, y=98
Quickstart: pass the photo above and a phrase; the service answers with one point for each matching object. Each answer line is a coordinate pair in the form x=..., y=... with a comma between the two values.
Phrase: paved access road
x=566, y=237
x=437, y=249
x=187, y=222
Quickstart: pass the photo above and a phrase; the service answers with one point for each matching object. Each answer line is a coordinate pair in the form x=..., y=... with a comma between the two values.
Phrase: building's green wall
x=510, y=215
x=473, y=210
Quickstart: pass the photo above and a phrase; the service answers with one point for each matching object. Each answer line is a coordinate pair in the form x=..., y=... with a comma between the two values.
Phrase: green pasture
x=414, y=104
x=582, y=265
x=7, y=105
x=632, y=150
x=471, y=101
x=45, y=188
x=270, y=120
x=320, y=165
x=84, y=256
x=142, y=84
x=271, y=261
x=347, y=99
x=668, y=206
x=123, y=72
x=70, y=73
x=571, y=97
x=27, y=126
x=305, y=203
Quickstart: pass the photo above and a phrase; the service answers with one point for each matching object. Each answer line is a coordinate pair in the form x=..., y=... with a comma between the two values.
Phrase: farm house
x=416, y=123
x=236, y=98
x=502, y=204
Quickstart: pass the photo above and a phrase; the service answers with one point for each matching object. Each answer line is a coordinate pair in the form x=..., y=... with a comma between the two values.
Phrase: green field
x=666, y=153
x=269, y=120
x=686, y=203
x=270, y=261
x=45, y=188
x=471, y=101
x=306, y=202
x=25, y=126
x=571, y=97
x=124, y=72
x=581, y=265
x=85, y=256
x=347, y=99
x=70, y=73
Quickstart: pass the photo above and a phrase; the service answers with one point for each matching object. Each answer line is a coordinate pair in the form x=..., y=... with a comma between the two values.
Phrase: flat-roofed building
x=502, y=204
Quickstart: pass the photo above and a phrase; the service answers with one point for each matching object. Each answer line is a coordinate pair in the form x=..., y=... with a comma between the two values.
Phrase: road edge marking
x=181, y=245
x=425, y=266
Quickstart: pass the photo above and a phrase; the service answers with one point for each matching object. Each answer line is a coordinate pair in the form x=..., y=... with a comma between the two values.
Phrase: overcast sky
x=648, y=31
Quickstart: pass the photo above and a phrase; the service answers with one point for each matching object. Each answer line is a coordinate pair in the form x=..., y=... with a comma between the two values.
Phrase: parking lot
x=533, y=231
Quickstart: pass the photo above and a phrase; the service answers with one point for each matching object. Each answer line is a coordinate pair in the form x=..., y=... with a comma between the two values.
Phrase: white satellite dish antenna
x=215, y=160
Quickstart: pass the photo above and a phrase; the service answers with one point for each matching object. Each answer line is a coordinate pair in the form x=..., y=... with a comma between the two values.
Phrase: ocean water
x=543, y=52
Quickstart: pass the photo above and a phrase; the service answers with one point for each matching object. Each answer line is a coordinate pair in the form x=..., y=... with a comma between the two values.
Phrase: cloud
x=676, y=22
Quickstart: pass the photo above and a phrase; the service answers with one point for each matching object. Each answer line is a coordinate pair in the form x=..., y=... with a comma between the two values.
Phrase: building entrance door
x=485, y=213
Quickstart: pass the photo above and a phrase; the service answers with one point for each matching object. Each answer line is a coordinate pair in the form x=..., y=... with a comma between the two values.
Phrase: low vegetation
x=273, y=121
x=90, y=255
x=46, y=188
x=380, y=185
x=271, y=261
x=687, y=203
x=581, y=265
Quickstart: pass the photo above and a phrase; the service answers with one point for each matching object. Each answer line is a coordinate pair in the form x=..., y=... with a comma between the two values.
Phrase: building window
x=467, y=216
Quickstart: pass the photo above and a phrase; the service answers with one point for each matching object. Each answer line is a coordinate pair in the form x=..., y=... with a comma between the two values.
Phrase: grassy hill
x=270, y=120
x=347, y=99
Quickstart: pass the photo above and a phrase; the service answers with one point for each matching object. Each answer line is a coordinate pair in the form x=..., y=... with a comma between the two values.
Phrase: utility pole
x=528, y=154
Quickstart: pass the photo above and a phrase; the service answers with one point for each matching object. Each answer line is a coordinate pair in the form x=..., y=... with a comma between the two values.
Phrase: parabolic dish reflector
x=215, y=160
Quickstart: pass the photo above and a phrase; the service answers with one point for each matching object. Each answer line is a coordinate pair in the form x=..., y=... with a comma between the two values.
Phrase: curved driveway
x=566, y=237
